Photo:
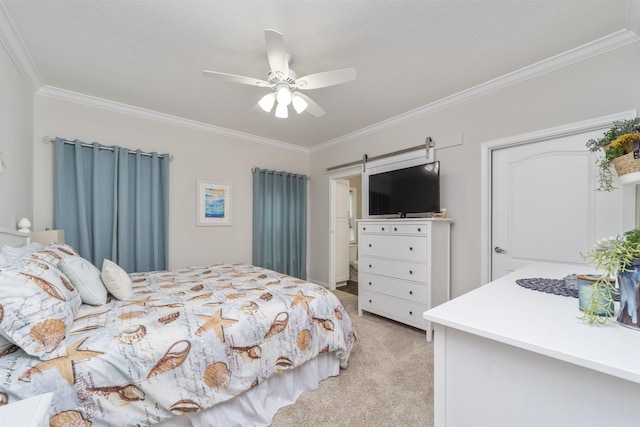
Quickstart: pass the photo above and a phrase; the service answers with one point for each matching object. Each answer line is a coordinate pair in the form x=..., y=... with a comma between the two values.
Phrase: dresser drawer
x=395, y=308
x=410, y=248
x=374, y=227
x=398, y=269
x=410, y=291
x=409, y=228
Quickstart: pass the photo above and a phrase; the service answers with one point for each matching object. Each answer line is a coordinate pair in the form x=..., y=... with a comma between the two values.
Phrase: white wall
x=16, y=132
x=197, y=155
x=602, y=85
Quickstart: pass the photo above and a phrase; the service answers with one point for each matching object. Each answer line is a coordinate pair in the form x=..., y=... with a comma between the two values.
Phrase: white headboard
x=13, y=237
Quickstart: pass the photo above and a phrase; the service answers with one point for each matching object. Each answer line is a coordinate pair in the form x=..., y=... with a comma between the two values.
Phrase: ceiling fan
x=284, y=82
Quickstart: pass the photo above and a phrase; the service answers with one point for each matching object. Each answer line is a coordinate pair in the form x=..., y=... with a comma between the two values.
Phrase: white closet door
x=544, y=204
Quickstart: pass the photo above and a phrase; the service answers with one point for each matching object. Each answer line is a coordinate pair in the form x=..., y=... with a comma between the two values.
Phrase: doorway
x=342, y=233
x=572, y=209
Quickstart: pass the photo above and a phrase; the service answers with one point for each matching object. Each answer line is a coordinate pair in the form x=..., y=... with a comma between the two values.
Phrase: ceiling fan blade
x=276, y=53
x=327, y=78
x=236, y=79
x=256, y=110
x=312, y=108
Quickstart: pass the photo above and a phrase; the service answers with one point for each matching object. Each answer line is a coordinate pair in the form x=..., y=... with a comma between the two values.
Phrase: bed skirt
x=258, y=406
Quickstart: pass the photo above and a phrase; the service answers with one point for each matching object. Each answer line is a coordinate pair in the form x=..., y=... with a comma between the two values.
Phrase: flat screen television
x=412, y=191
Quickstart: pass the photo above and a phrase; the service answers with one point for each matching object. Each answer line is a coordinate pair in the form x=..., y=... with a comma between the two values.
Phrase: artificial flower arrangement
x=617, y=142
x=610, y=257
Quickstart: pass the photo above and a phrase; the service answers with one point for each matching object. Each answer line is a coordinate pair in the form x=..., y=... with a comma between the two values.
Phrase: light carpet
x=389, y=381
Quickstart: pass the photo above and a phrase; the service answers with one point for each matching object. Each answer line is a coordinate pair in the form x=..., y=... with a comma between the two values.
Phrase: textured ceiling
x=149, y=54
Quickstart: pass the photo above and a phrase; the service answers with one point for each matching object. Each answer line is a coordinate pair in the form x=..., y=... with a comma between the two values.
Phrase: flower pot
x=586, y=297
x=628, y=169
x=629, y=282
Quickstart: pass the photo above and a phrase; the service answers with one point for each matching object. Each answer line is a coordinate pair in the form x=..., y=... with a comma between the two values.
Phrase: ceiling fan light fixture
x=267, y=101
x=284, y=82
x=299, y=104
x=284, y=95
x=282, y=112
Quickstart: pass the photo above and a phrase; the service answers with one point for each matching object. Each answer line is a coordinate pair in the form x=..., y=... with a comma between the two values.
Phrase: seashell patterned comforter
x=187, y=340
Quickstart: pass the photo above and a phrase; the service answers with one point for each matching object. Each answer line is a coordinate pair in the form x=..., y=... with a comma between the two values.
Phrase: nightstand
x=31, y=412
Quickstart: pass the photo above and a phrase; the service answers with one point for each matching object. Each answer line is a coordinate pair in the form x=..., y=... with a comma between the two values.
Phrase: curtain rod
x=428, y=144
x=253, y=170
x=101, y=147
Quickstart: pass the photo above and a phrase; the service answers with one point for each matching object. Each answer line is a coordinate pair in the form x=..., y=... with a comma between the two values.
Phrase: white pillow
x=85, y=277
x=13, y=253
x=116, y=280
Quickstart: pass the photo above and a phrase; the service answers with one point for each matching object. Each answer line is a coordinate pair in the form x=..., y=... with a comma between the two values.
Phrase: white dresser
x=506, y=355
x=403, y=268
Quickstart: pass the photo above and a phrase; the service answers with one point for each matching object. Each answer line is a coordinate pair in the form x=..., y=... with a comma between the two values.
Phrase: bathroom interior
x=355, y=212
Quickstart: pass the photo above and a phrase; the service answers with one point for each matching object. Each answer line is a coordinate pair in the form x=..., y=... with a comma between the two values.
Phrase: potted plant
x=616, y=258
x=618, y=144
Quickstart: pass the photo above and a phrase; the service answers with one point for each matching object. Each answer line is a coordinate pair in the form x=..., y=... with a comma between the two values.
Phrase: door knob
x=499, y=250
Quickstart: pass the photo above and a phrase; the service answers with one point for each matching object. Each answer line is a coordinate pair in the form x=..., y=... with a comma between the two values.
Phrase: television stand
x=403, y=268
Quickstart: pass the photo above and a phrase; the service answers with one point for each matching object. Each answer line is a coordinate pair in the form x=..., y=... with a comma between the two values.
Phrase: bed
x=224, y=344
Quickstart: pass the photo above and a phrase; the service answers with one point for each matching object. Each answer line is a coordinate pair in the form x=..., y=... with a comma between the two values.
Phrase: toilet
x=353, y=270
x=353, y=261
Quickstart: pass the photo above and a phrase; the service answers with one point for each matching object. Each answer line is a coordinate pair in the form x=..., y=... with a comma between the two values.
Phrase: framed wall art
x=213, y=203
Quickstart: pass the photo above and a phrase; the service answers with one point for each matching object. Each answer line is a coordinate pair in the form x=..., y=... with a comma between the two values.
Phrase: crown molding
x=597, y=47
x=15, y=47
x=117, y=107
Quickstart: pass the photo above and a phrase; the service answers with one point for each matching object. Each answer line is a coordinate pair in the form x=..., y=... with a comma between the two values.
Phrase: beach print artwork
x=214, y=203
x=214, y=199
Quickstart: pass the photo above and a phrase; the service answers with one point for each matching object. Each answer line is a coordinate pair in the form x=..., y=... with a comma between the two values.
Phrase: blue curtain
x=280, y=222
x=113, y=203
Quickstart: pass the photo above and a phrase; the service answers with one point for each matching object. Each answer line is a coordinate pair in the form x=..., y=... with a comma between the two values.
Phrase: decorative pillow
x=54, y=252
x=49, y=278
x=37, y=306
x=116, y=280
x=86, y=279
x=13, y=253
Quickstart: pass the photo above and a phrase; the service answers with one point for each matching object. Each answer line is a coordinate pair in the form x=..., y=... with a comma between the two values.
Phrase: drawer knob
x=369, y=265
x=411, y=313
x=369, y=301
x=410, y=248
x=419, y=229
x=369, y=283
x=410, y=292
x=410, y=271
x=364, y=228
x=382, y=228
x=395, y=228
x=369, y=244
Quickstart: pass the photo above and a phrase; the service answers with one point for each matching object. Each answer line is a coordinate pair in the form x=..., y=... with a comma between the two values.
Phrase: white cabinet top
x=403, y=219
x=544, y=323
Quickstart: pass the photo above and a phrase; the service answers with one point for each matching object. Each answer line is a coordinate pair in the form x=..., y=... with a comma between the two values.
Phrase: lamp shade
x=284, y=96
x=267, y=101
x=299, y=104
x=46, y=237
x=282, y=112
